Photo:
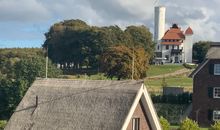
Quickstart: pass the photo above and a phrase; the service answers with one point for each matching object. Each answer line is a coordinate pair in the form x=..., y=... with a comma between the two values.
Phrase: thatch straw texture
x=74, y=105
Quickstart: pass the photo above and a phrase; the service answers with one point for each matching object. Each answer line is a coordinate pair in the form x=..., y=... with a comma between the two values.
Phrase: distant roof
x=214, y=51
x=189, y=31
x=174, y=33
x=75, y=104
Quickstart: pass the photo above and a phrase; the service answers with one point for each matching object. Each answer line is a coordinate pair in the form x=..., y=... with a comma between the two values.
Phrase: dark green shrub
x=184, y=98
x=189, y=66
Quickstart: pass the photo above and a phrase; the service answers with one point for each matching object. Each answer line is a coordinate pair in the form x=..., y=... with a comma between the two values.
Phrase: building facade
x=206, y=88
x=174, y=45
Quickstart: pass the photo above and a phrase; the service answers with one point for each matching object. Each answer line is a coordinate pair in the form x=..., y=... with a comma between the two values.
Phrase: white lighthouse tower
x=159, y=26
x=188, y=46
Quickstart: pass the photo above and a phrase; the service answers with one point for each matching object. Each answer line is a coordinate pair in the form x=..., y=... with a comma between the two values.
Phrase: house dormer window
x=136, y=124
x=216, y=92
x=216, y=69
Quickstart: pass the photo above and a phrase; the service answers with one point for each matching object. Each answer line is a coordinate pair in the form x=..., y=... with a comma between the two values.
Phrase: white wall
x=188, y=46
x=159, y=25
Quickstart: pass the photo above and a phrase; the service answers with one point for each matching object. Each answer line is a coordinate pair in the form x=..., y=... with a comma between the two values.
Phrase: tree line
x=18, y=70
x=73, y=44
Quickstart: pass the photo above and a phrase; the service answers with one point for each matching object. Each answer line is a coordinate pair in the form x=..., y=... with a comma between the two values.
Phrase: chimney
x=36, y=101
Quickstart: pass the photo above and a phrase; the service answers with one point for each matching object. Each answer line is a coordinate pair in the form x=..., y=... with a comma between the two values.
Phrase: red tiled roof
x=171, y=43
x=174, y=33
x=189, y=31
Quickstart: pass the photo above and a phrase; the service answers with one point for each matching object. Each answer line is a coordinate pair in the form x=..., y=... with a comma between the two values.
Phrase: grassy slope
x=162, y=69
x=181, y=80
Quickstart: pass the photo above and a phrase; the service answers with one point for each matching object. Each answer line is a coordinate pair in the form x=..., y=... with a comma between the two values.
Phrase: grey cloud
x=180, y=14
x=22, y=11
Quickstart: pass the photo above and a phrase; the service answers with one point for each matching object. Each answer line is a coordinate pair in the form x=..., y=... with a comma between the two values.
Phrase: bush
x=189, y=66
x=164, y=123
x=188, y=124
x=216, y=126
x=184, y=98
x=2, y=124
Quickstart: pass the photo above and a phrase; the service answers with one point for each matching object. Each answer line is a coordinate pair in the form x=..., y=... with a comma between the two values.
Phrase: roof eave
x=154, y=120
x=192, y=75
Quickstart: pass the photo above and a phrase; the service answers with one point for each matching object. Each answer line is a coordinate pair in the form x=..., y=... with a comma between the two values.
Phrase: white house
x=174, y=45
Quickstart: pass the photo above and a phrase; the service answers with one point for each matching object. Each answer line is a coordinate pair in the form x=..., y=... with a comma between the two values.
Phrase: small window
x=217, y=69
x=167, y=47
x=136, y=124
x=158, y=47
x=216, y=115
x=172, y=46
x=216, y=92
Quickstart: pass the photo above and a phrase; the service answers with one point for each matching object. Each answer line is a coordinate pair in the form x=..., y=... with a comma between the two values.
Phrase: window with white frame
x=216, y=115
x=136, y=124
x=216, y=92
x=216, y=69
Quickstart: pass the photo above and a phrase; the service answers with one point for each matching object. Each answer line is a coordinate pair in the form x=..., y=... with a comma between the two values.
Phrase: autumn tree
x=117, y=62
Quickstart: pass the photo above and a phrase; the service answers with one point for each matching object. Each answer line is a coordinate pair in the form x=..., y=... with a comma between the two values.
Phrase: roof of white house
x=80, y=105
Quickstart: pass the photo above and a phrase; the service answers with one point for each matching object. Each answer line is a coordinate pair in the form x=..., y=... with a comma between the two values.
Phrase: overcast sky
x=24, y=22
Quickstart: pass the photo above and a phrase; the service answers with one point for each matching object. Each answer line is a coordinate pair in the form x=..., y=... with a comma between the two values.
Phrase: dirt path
x=175, y=73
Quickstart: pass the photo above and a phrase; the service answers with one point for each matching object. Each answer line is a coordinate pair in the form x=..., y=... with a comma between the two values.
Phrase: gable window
x=216, y=69
x=216, y=115
x=216, y=92
x=136, y=124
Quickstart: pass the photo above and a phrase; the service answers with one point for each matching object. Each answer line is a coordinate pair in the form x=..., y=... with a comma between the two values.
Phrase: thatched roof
x=75, y=105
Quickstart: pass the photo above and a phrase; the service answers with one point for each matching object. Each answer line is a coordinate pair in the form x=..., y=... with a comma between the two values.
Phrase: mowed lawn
x=154, y=70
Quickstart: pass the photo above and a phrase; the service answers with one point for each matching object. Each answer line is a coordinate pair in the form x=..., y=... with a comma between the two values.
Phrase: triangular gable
x=148, y=107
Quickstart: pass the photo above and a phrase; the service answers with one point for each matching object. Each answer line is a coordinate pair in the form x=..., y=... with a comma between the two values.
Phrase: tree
x=74, y=44
x=117, y=61
x=19, y=68
x=188, y=124
x=26, y=71
x=140, y=36
x=216, y=126
x=200, y=49
x=164, y=123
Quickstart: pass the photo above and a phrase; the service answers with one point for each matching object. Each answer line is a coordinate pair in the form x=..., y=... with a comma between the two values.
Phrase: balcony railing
x=176, y=51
